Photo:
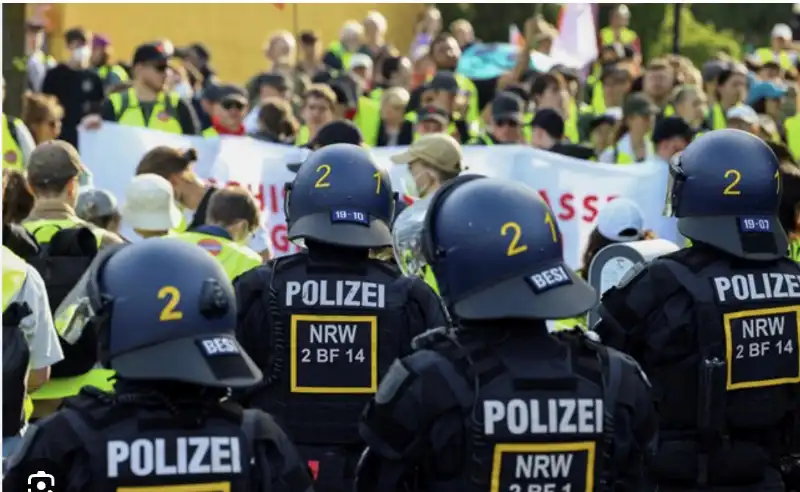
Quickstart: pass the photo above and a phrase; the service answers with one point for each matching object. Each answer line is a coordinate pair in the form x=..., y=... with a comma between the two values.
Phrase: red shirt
x=223, y=130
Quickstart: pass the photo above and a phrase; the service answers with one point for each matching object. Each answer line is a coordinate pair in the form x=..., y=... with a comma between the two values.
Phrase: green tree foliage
x=705, y=28
x=699, y=42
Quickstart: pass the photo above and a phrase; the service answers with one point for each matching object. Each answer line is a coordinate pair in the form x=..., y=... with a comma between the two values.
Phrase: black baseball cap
x=671, y=127
x=550, y=121
x=232, y=92
x=150, y=52
x=443, y=81
x=346, y=90
x=433, y=113
x=507, y=106
x=335, y=132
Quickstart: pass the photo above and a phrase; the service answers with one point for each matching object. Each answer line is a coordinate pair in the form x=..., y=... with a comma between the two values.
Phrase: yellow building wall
x=235, y=33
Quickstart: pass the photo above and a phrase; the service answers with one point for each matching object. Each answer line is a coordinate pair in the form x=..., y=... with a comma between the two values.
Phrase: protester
x=228, y=113
x=99, y=207
x=280, y=52
x=743, y=118
x=670, y=136
x=731, y=90
x=375, y=45
x=337, y=58
x=659, y=81
x=432, y=160
x=780, y=49
x=767, y=98
x=265, y=86
x=506, y=122
x=428, y=26
x=689, y=103
x=79, y=89
x=17, y=140
x=632, y=143
x=617, y=30
x=111, y=74
x=146, y=104
x=276, y=123
x=149, y=207
x=43, y=115
x=310, y=59
x=394, y=129
x=601, y=129
x=38, y=61
x=619, y=221
x=547, y=133
x=463, y=32
x=53, y=173
x=319, y=103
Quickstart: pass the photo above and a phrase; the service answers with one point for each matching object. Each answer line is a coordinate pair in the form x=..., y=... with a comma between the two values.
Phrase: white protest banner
x=575, y=189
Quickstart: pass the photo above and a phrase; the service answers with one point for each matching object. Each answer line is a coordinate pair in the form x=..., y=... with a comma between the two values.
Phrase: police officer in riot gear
x=325, y=324
x=169, y=335
x=499, y=404
x=715, y=325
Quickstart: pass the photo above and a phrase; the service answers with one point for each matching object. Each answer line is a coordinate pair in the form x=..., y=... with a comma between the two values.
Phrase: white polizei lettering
x=517, y=417
x=162, y=468
x=723, y=285
x=341, y=293
x=142, y=454
x=755, y=287
x=563, y=416
x=196, y=466
x=182, y=456
x=292, y=289
x=566, y=426
x=310, y=293
x=794, y=285
x=323, y=295
x=493, y=412
x=543, y=466
x=754, y=293
x=193, y=456
x=739, y=287
x=116, y=452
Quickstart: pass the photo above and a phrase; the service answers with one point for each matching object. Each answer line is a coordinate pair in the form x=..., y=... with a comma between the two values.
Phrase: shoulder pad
x=631, y=365
x=632, y=274
x=431, y=338
x=25, y=446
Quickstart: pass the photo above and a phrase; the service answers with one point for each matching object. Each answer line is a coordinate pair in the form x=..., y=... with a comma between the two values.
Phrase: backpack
x=62, y=262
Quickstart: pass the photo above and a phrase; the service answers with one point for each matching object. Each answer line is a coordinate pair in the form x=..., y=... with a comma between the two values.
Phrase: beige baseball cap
x=54, y=161
x=438, y=150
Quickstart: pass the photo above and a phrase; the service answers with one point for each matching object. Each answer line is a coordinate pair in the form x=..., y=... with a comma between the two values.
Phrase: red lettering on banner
x=567, y=209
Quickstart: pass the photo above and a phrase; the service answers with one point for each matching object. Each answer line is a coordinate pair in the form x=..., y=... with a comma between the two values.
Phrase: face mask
x=427, y=183
x=184, y=90
x=81, y=54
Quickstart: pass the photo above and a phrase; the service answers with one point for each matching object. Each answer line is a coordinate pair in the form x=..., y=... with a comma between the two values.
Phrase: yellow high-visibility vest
x=626, y=36
x=117, y=70
x=44, y=229
x=234, y=258
x=337, y=48
x=303, y=136
x=792, y=127
x=12, y=153
x=794, y=249
x=15, y=272
x=767, y=55
x=368, y=119
x=164, y=116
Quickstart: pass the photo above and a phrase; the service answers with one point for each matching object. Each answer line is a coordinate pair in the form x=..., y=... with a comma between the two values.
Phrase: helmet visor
x=73, y=314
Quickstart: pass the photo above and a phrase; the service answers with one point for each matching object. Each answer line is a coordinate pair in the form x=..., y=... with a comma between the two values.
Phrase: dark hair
x=760, y=106
x=546, y=80
x=18, y=198
x=76, y=34
x=104, y=221
x=390, y=66
x=232, y=204
x=276, y=116
x=166, y=161
x=442, y=37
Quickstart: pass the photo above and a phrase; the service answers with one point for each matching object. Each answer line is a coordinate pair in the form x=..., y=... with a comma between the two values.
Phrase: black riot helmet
x=501, y=261
x=725, y=190
x=339, y=196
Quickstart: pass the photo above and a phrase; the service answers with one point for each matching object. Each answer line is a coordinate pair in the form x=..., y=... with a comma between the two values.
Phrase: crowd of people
x=242, y=309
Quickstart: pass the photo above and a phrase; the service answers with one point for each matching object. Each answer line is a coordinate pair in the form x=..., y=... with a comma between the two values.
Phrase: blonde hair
x=395, y=96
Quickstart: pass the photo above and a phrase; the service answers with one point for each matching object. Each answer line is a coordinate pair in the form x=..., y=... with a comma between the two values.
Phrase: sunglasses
x=53, y=123
x=160, y=67
x=228, y=105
